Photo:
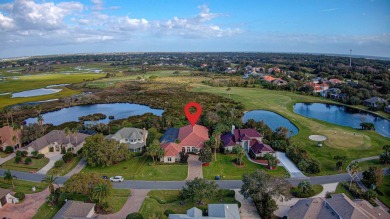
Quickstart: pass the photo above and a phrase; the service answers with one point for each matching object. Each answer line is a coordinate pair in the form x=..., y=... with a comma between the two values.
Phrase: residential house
x=268, y=78
x=187, y=139
x=76, y=209
x=7, y=134
x=249, y=139
x=55, y=140
x=279, y=82
x=374, y=102
x=335, y=81
x=339, y=206
x=387, y=109
x=6, y=197
x=318, y=87
x=215, y=211
x=134, y=138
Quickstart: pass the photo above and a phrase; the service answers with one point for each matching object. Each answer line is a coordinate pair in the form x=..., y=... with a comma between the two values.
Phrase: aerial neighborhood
x=124, y=142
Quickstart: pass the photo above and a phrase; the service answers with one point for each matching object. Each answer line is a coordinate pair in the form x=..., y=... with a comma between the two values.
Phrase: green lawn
x=225, y=167
x=158, y=201
x=3, y=155
x=36, y=165
x=118, y=199
x=141, y=168
x=23, y=186
x=344, y=142
x=66, y=168
x=317, y=189
x=385, y=188
x=341, y=189
x=371, y=163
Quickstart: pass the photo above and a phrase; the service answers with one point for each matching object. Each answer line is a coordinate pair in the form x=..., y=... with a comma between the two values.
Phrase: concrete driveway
x=289, y=165
x=53, y=156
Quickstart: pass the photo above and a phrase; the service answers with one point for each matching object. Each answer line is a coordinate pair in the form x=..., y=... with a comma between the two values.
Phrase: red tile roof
x=193, y=135
x=258, y=147
x=268, y=78
x=171, y=149
x=6, y=135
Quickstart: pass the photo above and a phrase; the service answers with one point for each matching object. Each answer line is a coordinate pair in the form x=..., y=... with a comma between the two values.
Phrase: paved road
x=367, y=158
x=290, y=166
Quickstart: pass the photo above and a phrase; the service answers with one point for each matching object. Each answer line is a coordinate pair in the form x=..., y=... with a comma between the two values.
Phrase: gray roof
x=4, y=192
x=215, y=211
x=74, y=209
x=375, y=100
x=58, y=136
x=129, y=133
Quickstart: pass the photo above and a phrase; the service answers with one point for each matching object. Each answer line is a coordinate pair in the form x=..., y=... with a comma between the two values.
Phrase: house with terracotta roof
x=55, y=140
x=335, y=81
x=268, y=78
x=317, y=88
x=187, y=139
x=249, y=139
x=7, y=134
x=339, y=206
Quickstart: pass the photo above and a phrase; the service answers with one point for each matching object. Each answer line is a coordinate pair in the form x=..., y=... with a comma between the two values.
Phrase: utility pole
x=350, y=58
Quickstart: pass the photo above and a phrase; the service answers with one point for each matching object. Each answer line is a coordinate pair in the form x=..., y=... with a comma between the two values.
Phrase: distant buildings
x=215, y=211
x=375, y=102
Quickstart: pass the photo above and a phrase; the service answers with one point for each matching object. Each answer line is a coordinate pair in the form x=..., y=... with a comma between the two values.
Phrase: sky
x=44, y=27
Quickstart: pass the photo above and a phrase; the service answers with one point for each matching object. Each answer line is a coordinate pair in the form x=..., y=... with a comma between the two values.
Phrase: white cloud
x=97, y=5
x=6, y=23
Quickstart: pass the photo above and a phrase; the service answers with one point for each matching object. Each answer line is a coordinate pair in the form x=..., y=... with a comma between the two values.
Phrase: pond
x=341, y=115
x=35, y=92
x=273, y=120
x=118, y=110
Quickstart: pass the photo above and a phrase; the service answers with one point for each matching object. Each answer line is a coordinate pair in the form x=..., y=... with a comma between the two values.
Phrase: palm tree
x=68, y=133
x=16, y=130
x=51, y=180
x=153, y=149
x=9, y=177
x=101, y=192
x=75, y=132
x=240, y=152
x=304, y=186
x=271, y=159
x=5, y=112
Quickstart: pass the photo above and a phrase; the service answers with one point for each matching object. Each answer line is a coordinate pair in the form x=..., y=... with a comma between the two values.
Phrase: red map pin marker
x=195, y=116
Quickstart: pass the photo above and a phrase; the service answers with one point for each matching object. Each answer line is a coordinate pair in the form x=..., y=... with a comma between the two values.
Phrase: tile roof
x=6, y=135
x=58, y=136
x=171, y=149
x=228, y=140
x=74, y=209
x=251, y=133
x=258, y=147
x=193, y=135
x=268, y=78
x=4, y=192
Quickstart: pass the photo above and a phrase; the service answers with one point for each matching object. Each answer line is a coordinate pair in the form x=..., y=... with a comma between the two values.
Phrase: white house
x=133, y=137
x=6, y=197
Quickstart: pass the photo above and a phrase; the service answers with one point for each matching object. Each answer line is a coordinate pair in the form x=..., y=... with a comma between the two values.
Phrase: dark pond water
x=273, y=120
x=342, y=115
x=119, y=110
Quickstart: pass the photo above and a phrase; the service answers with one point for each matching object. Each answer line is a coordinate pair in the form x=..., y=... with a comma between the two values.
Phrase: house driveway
x=194, y=167
x=5, y=159
x=289, y=165
x=77, y=168
x=248, y=209
x=27, y=209
x=53, y=156
x=133, y=204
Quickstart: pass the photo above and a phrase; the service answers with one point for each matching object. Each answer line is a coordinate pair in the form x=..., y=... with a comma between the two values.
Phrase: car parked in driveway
x=116, y=179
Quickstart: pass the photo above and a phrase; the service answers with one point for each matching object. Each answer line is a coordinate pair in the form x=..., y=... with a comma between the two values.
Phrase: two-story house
x=133, y=137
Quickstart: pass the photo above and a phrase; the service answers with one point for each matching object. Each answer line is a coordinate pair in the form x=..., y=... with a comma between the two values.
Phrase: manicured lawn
x=344, y=142
x=341, y=189
x=371, y=163
x=36, y=165
x=23, y=186
x=225, y=167
x=66, y=168
x=158, y=201
x=385, y=188
x=317, y=189
x=141, y=168
x=3, y=155
x=118, y=199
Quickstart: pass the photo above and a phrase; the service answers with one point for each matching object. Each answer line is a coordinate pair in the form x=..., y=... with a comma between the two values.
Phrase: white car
x=116, y=179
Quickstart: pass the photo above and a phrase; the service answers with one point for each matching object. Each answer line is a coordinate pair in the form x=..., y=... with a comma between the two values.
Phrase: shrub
x=59, y=163
x=134, y=216
x=24, y=153
x=20, y=196
x=28, y=160
x=9, y=149
x=18, y=153
x=63, y=151
x=67, y=157
x=168, y=212
x=18, y=159
x=34, y=153
x=40, y=156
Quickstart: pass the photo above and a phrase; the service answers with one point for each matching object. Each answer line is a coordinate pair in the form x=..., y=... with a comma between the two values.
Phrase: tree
x=9, y=149
x=385, y=156
x=101, y=192
x=98, y=151
x=305, y=186
x=75, y=132
x=9, y=178
x=205, y=155
x=154, y=149
x=261, y=187
x=28, y=161
x=183, y=157
x=135, y=215
x=271, y=160
x=198, y=189
x=240, y=152
x=40, y=120
x=59, y=163
x=68, y=133
x=374, y=175
x=340, y=160
x=51, y=180
x=369, y=195
x=34, y=153
x=84, y=183
x=67, y=157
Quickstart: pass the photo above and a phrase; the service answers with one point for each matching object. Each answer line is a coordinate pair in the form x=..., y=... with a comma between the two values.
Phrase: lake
x=119, y=110
x=273, y=120
x=35, y=92
x=341, y=115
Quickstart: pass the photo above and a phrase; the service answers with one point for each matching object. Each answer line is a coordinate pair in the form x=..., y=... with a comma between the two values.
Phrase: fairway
x=341, y=140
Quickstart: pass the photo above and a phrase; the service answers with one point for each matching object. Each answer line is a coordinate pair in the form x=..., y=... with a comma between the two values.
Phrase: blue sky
x=40, y=27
